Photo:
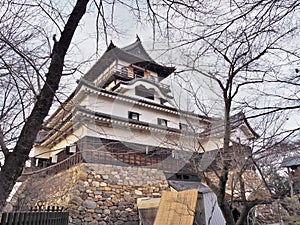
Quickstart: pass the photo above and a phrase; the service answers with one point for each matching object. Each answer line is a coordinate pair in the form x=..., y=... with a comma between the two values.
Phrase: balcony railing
x=123, y=71
x=165, y=163
x=55, y=168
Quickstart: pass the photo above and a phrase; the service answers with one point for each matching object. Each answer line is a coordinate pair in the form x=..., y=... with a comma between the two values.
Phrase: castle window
x=72, y=149
x=183, y=126
x=133, y=115
x=182, y=176
x=162, y=122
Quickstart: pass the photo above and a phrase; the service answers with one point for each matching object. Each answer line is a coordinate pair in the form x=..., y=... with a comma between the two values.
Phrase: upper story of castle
x=131, y=71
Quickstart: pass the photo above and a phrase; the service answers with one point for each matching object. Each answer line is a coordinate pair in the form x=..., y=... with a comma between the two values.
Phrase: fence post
x=26, y=218
x=10, y=218
x=16, y=218
x=3, y=218
x=22, y=219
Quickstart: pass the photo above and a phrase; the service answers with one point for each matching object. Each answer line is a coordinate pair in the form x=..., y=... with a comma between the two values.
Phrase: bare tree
x=242, y=48
x=35, y=38
x=15, y=159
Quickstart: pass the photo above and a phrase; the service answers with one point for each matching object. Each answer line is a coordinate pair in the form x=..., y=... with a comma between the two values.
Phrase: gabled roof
x=133, y=54
x=238, y=120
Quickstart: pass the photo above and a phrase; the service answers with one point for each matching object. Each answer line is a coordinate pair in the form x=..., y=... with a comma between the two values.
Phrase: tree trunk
x=225, y=167
x=15, y=160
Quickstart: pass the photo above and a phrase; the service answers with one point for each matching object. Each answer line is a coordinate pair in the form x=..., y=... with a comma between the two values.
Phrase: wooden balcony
x=129, y=73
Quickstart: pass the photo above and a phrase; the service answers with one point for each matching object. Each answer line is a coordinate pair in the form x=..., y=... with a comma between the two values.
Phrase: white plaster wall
x=38, y=150
x=150, y=138
x=125, y=134
x=120, y=108
x=213, y=213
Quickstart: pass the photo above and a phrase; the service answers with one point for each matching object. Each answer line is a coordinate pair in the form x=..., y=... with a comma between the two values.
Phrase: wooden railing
x=53, y=169
x=122, y=71
x=161, y=162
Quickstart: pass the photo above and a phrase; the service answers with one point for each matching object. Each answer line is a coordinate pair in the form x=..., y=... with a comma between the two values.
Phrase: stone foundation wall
x=94, y=193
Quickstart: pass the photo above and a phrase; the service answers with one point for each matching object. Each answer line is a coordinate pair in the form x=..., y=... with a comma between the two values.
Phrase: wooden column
x=291, y=182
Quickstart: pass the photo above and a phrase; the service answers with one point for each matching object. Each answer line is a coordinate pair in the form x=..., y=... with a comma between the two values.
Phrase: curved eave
x=239, y=120
x=55, y=136
x=162, y=71
x=83, y=115
x=255, y=135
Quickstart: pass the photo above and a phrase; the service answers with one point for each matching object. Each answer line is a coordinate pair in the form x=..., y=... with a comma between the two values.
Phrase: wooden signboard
x=177, y=208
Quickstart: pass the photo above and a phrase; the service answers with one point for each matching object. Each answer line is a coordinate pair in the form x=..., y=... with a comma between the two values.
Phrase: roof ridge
x=137, y=44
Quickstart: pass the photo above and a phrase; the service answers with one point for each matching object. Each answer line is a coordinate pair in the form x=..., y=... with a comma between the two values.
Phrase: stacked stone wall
x=94, y=193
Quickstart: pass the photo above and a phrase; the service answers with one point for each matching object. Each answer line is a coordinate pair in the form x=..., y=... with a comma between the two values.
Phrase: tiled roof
x=133, y=54
x=294, y=161
x=138, y=50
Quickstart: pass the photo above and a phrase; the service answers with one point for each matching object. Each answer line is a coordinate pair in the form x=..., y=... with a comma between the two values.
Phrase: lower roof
x=189, y=185
x=293, y=161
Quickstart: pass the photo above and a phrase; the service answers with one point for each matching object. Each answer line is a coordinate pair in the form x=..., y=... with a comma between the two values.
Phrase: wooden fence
x=35, y=218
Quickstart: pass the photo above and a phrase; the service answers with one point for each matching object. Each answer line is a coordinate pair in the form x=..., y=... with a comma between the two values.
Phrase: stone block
x=89, y=204
x=138, y=192
x=76, y=200
x=106, y=211
x=105, y=176
x=94, y=222
x=103, y=184
x=95, y=184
